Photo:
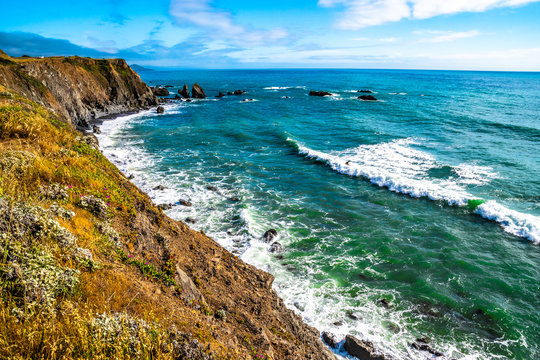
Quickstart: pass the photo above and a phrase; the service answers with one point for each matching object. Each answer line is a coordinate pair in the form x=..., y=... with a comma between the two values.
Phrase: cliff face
x=90, y=268
x=77, y=89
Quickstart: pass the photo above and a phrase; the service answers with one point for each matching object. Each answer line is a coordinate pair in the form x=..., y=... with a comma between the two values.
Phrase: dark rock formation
x=185, y=203
x=197, y=92
x=363, y=350
x=190, y=221
x=238, y=92
x=165, y=206
x=229, y=93
x=184, y=92
x=276, y=248
x=160, y=91
x=384, y=303
x=220, y=95
x=330, y=339
x=96, y=129
x=365, y=91
x=159, y=187
x=160, y=110
x=319, y=93
x=270, y=235
x=422, y=345
x=212, y=188
x=168, y=86
x=367, y=97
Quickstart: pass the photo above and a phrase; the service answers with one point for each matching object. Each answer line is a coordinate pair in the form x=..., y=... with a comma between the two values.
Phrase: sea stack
x=184, y=92
x=197, y=92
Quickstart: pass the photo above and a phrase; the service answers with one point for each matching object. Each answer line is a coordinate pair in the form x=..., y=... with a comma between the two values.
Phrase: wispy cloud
x=450, y=36
x=359, y=14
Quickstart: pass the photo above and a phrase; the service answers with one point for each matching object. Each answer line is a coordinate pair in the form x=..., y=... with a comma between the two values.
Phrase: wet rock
x=338, y=323
x=96, y=129
x=276, y=248
x=367, y=98
x=165, y=206
x=421, y=344
x=285, y=97
x=330, y=339
x=365, y=91
x=177, y=97
x=299, y=306
x=184, y=92
x=159, y=91
x=160, y=110
x=159, y=187
x=212, y=188
x=220, y=95
x=197, y=92
x=131, y=177
x=352, y=315
x=190, y=221
x=168, y=86
x=384, y=303
x=185, y=202
x=238, y=92
x=270, y=235
x=230, y=93
x=319, y=93
x=248, y=100
x=363, y=350
x=235, y=199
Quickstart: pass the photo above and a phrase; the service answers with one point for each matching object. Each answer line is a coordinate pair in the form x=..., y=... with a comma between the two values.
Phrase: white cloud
x=450, y=36
x=219, y=23
x=363, y=13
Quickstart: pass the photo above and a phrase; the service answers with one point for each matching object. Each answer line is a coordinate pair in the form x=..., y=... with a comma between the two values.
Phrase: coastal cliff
x=90, y=267
x=77, y=89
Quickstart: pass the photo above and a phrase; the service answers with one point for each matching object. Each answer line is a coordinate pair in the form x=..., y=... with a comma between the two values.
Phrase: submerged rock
x=270, y=235
x=319, y=93
x=197, y=92
x=160, y=110
x=367, y=98
x=276, y=248
x=361, y=349
x=330, y=339
x=184, y=92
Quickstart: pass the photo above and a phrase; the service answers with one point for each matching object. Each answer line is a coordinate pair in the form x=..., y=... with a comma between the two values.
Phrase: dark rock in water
x=159, y=187
x=338, y=323
x=365, y=91
x=248, y=100
x=168, y=86
x=212, y=188
x=330, y=339
x=299, y=306
x=235, y=199
x=363, y=350
x=230, y=93
x=160, y=109
x=285, y=97
x=131, y=177
x=319, y=93
x=190, y=221
x=176, y=97
x=238, y=92
x=270, y=235
x=160, y=91
x=96, y=129
x=384, y=303
x=197, y=92
x=276, y=248
x=352, y=315
x=185, y=202
x=220, y=95
x=367, y=98
x=165, y=206
x=188, y=100
x=424, y=347
x=184, y=92
x=423, y=340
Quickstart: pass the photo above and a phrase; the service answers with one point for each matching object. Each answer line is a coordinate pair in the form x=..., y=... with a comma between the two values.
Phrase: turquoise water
x=428, y=198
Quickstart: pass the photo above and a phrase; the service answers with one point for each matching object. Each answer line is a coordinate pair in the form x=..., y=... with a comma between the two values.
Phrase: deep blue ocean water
x=428, y=197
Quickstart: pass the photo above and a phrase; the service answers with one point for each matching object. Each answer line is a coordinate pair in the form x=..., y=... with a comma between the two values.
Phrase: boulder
x=197, y=92
x=330, y=339
x=185, y=202
x=131, y=177
x=421, y=344
x=190, y=221
x=270, y=235
x=229, y=93
x=184, y=92
x=160, y=91
x=96, y=129
x=360, y=349
x=160, y=110
x=276, y=248
x=238, y=92
x=319, y=93
x=384, y=303
x=367, y=97
x=159, y=187
x=165, y=206
x=212, y=188
x=220, y=95
x=177, y=97
x=365, y=91
x=190, y=293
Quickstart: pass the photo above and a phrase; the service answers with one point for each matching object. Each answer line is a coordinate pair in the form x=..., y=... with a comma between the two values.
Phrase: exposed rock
x=185, y=202
x=159, y=91
x=248, y=100
x=220, y=95
x=234, y=199
x=131, y=177
x=363, y=350
x=96, y=129
x=337, y=323
x=177, y=97
x=285, y=97
x=384, y=303
x=184, y=92
x=160, y=110
x=238, y=92
x=168, y=86
x=352, y=315
x=367, y=98
x=365, y=91
x=276, y=248
x=330, y=339
x=165, y=206
x=422, y=345
x=197, y=92
x=230, y=93
x=160, y=187
x=319, y=93
x=189, y=290
x=212, y=188
x=270, y=235
x=190, y=221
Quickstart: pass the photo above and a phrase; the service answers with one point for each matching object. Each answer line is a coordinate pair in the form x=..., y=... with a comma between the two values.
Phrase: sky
x=233, y=34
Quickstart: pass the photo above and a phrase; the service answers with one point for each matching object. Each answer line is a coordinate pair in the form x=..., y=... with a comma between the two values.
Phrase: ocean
x=428, y=198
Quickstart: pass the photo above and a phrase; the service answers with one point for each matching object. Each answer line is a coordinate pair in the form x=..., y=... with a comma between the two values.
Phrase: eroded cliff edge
x=90, y=267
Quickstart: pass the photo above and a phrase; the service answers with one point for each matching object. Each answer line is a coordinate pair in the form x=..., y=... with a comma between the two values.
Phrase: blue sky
x=395, y=34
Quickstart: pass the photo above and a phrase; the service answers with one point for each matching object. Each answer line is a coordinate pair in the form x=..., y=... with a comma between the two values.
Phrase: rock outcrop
x=77, y=89
x=367, y=98
x=360, y=349
x=197, y=92
x=184, y=92
x=319, y=93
